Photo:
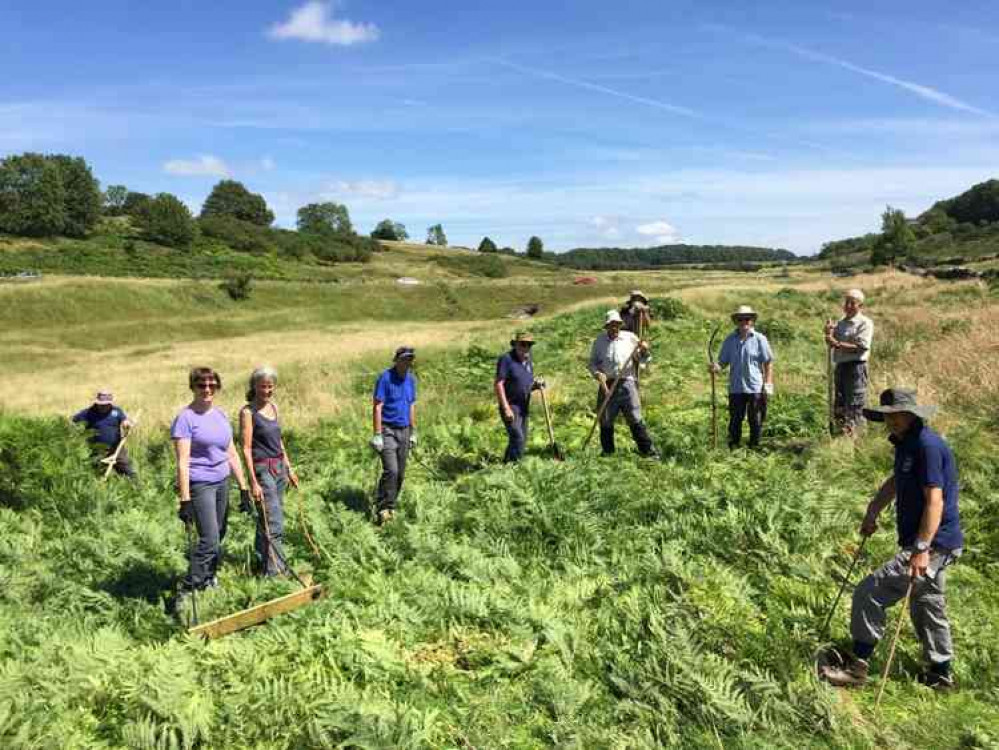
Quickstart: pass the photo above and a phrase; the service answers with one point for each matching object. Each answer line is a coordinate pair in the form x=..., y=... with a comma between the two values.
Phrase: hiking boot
x=942, y=683
x=852, y=674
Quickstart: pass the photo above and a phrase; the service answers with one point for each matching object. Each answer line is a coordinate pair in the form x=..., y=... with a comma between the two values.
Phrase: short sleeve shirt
x=745, y=360
x=396, y=394
x=923, y=459
x=105, y=428
x=517, y=377
x=210, y=435
x=857, y=330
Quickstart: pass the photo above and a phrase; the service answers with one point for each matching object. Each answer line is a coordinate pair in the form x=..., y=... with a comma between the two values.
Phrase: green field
x=586, y=604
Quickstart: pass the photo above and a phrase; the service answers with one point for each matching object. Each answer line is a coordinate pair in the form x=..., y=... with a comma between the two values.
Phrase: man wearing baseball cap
x=106, y=425
x=394, y=417
x=924, y=486
x=616, y=355
x=751, y=377
x=849, y=341
x=513, y=385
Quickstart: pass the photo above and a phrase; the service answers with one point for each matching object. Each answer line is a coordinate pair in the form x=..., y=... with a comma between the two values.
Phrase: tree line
x=617, y=258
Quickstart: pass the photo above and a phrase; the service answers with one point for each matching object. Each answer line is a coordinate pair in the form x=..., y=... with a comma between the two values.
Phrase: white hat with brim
x=613, y=316
x=103, y=398
x=637, y=293
x=854, y=294
x=743, y=311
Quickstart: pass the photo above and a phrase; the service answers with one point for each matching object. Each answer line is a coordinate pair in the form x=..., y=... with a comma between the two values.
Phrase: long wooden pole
x=894, y=643
x=714, y=392
x=610, y=395
x=831, y=387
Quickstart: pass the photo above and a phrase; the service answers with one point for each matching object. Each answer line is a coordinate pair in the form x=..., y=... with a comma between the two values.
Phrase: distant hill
x=956, y=230
x=634, y=258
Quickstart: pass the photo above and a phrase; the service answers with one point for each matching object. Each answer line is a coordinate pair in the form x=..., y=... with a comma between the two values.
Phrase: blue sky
x=587, y=123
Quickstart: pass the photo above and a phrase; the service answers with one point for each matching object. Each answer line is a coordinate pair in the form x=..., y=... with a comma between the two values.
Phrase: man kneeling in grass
x=924, y=485
x=108, y=425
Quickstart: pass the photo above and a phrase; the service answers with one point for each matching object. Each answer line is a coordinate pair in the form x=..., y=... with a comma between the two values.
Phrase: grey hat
x=895, y=400
x=404, y=352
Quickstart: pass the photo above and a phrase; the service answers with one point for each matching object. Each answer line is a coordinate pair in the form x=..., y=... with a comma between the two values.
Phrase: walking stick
x=113, y=458
x=610, y=395
x=557, y=453
x=714, y=392
x=853, y=563
x=194, y=594
x=831, y=390
x=894, y=643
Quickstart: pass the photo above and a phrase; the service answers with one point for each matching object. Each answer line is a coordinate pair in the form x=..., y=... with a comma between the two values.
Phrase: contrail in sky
x=538, y=73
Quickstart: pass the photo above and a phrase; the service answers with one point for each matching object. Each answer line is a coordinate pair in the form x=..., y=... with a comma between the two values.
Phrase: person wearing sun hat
x=924, y=486
x=394, y=418
x=635, y=314
x=107, y=425
x=850, y=340
x=751, y=377
x=617, y=353
x=513, y=385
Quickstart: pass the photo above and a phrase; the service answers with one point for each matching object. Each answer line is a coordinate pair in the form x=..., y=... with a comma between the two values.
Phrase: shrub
x=668, y=308
x=238, y=286
x=777, y=331
x=165, y=219
x=237, y=234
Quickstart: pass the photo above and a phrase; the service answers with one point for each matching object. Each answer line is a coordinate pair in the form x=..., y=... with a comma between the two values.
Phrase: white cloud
x=663, y=232
x=205, y=165
x=314, y=22
x=608, y=227
x=372, y=189
x=267, y=164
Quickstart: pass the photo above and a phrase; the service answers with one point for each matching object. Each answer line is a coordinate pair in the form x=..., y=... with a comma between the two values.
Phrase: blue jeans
x=273, y=479
x=211, y=512
x=516, y=432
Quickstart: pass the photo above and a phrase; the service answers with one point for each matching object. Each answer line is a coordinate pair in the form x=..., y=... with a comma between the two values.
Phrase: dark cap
x=404, y=352
x=895, y=400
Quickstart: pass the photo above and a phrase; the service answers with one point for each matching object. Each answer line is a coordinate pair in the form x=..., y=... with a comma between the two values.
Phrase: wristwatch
x=921, y=546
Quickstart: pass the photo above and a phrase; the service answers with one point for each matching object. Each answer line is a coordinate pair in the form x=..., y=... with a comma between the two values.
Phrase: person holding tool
x=614, y=360
x=849, y=342
x=924, y=485
x=270, y=470
x=394, y=418
x=108, y=425
x=206, y=456
x=513, y=386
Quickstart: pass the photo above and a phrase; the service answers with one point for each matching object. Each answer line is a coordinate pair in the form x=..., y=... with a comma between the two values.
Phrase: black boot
x=642, y=439
x=607, y=440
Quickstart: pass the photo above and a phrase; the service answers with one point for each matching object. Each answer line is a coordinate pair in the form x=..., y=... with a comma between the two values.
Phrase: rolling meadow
x=590, y=603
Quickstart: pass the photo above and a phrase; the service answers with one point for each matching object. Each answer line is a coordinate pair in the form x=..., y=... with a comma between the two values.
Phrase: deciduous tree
x=82, y=194
x=436, y=236
x=390, y=230
x=324, y=218
x=487, y=246
x=535, y=248
x=231, y=198
x=115, y=197
x=165, y=219
x=32, y=196
x=896, y=240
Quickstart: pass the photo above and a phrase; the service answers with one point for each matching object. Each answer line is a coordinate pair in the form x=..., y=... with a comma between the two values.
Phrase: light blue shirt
x=745, y=360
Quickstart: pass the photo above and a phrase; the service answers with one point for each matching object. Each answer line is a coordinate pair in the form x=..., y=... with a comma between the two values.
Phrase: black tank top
x=266, y=436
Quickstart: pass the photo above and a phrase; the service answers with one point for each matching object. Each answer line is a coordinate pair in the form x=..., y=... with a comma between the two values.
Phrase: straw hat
x=742, y=311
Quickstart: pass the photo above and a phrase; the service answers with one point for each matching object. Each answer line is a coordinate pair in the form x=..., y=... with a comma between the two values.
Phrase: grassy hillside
x=591, y=604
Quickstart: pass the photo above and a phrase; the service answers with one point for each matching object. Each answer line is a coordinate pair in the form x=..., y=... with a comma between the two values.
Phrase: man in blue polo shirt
x=107, y=425
x=513, y=385
x=394, y=417
x=925, y=488
x=751, y=377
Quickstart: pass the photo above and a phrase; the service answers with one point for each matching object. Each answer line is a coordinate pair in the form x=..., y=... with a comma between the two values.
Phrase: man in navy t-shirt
x=925, y=488
x=394, y=417
x=513, y=385
x=107, y=425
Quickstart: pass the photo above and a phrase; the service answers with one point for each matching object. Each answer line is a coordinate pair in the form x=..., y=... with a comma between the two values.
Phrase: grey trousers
x=851, y=393
x=624, y=401
x=394, y=456
x=887, y=585
x=211, y=512
x=273, y=480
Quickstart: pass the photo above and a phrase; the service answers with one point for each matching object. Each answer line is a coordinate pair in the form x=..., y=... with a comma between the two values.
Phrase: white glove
x=377, y=443
x=412, y=440
x=768, y=388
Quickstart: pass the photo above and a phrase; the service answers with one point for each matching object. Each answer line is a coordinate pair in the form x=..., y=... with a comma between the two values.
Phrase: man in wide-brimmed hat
x=513, y=385
x=617, y=354
x=636, y=315
x=394, y=418
x=751, y=377
x=849, y=340
x=107, y=424
x=924, y=486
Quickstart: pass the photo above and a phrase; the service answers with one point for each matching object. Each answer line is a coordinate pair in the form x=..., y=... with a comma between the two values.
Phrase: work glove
x=245, y=505
x=186, y=513
x=377, y=443
x=768, y=388
x=412, y=440
x=601, y=378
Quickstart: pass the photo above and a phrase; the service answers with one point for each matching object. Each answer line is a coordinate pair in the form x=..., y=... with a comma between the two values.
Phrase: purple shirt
x=210, y=435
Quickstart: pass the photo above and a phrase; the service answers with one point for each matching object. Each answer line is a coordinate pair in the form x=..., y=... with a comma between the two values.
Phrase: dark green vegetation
x=45, y=195
x=609, y=259
x=591, y=604
x=957, y=230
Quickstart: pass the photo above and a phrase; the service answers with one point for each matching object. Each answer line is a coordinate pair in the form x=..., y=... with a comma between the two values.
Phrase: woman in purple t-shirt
x=202, y=440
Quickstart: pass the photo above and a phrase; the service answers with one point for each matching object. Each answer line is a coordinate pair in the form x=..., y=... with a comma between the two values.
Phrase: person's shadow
x=353, y=498
x=140, y=580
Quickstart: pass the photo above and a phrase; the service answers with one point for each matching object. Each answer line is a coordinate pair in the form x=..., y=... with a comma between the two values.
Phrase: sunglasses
x=212, y=384
x=744, y=318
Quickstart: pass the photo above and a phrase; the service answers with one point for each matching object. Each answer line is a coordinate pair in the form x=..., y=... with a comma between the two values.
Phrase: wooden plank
x=258, y=614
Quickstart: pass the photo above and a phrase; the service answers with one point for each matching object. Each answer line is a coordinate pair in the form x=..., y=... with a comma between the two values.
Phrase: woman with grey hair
x=270, y=471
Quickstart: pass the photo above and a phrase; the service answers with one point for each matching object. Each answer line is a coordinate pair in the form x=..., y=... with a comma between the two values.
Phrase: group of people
x=924, y=483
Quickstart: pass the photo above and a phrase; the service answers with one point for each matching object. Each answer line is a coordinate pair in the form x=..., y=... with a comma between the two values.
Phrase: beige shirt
x=857, y=330
x=611, y=357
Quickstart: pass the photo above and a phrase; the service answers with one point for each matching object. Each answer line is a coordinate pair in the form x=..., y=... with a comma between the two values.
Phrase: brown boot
x=851, y=674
